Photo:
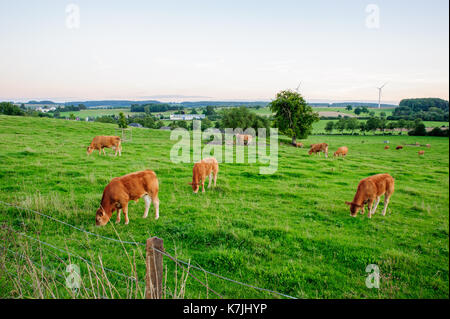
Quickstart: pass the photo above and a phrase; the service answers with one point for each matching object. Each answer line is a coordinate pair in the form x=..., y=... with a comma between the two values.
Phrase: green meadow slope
x=290, y=232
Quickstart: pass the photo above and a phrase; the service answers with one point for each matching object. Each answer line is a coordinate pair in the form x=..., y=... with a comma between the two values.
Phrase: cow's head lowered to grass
x=102, y=217
x=89, y=150
x=354, y=208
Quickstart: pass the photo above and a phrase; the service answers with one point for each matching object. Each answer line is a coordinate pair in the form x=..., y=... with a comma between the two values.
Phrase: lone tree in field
x=329, y=127
x=293, y=116
x=122, y=121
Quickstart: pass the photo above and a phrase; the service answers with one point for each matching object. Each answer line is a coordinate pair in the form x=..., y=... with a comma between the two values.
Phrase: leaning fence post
x=154, y=268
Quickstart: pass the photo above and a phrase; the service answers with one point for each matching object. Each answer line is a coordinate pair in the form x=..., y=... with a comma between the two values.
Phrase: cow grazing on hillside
x=428, y=145
x=101, y=142
x=244, y=139
x=298, y=144
x=386, y=147
x=421, y=153
x=341, y=151
x=369, y=190
x=203, y=169
x=317, y=148
x=399, y=147
x=121, y=190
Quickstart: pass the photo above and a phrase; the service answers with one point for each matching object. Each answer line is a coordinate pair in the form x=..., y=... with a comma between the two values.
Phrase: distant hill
x=222, y=103
x=129, y=103
x=111, y=103
x=353, y=104
x=41, y=102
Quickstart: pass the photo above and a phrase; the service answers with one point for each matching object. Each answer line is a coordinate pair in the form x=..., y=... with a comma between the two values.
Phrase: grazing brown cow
x=428, y=145
x=399, y=147
x=386, y=147
x=203, y=169
x=341, y=151
x=369, y=190
x=100, y=142
x=317, y=148
x=122, y=189
x=298, y=144
x=421, y=153
x=244, y=139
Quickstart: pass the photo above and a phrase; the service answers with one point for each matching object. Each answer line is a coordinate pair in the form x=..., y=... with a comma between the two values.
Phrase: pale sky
x=223, y=50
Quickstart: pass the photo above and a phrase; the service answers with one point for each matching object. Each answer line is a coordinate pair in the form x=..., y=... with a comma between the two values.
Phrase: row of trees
x=374, y=124
x=8, y=108
x=426, y=109
x=70, y=108
x=154, y=107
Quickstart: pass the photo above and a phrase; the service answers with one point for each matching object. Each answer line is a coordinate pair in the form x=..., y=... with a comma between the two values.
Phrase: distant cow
x=244, y=139
x=421, y=153
x=341, y=151
x=399, y=147
x=369, y=190
x=317, y=148
x=386, y=147
x=203, y=169
x=428, y=145
x=298, y=144
x=121, y=190
x=101, y=142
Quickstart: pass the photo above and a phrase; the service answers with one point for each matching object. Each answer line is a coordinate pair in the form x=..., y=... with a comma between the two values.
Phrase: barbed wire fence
x=186, y=266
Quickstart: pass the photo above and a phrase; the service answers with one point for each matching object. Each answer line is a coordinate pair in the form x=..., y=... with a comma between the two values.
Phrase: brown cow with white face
x=121, y=190
x=101, y=142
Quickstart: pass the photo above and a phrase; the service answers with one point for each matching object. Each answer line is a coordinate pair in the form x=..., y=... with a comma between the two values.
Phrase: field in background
x=94, y=112
x=319, y=127
x=265, y=111
x=290, y=232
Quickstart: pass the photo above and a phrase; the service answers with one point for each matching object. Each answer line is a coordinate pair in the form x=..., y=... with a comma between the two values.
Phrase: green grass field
x=97, y=112
x=290, y=232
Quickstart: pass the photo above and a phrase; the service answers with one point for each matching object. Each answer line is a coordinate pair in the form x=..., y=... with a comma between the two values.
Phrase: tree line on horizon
x=292, y=115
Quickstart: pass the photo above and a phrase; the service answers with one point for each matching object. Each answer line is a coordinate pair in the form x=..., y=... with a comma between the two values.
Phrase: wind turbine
x=298, y=87
x=379, y=94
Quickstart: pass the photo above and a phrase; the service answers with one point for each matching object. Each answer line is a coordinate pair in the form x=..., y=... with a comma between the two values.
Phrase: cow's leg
x=210, y=179
x=104, y=153
x=386, y=203
x=100, y=151
x=115, y=154
x=147, y=201
x=215, y=178
x=203, y=185
x=376, y=205
x=156, y=204
x=125, y=211
x=363, y=209
x=120, y=150
x=118, y=216
x=369, y=206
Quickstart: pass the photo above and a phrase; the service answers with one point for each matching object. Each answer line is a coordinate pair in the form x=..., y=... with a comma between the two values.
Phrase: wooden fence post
x=154, y=268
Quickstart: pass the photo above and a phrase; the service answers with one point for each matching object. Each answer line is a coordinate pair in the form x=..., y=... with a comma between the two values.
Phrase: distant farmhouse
x=186, y=117
x=45, y=109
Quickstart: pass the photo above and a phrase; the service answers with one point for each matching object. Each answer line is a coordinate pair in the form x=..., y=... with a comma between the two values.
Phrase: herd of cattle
x=144, y=184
